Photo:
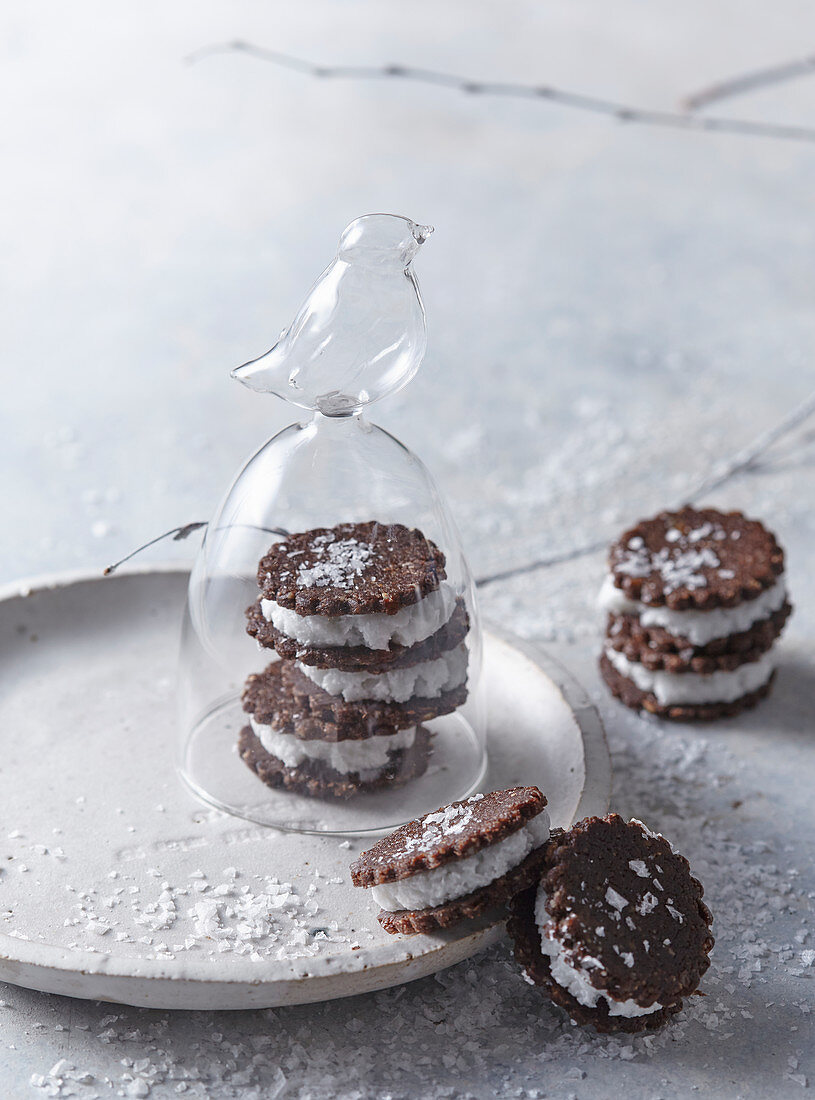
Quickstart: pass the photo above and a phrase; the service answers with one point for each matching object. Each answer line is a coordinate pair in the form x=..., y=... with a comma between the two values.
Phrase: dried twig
x=178, y=533
x=547, y=93
x=749, y=82
x=558, y=558
x=742, y=461
x=746, y=458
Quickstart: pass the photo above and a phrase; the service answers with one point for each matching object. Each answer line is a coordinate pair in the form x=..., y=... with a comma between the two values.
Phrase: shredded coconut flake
x=647, y=904
x=341, y=562
x=679, y=565
x=615, y=899
x=447, y=822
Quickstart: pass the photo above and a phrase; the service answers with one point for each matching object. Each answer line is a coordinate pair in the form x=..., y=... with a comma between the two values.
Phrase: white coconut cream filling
x=366, y=757
x=694, y=687
x=699, y=627
x=572, y=977
x=376, y=631
x=426, y=680
x=461, y=877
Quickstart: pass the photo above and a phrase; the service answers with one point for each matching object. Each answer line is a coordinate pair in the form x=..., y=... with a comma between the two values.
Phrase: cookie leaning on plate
x=615, y=931
x=456, y=863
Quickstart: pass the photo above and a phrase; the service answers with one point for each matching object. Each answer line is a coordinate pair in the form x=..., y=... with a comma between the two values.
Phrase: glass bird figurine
x=329, y=676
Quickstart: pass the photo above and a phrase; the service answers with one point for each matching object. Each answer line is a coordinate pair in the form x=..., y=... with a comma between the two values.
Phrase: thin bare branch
x=543, y=93
x=741, y=462
x=749, y=82
x=746, y=459
x=557, y=558
x=177, y=533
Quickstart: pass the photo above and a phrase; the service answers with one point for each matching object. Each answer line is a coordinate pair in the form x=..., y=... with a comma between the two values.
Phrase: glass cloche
x=331, y=650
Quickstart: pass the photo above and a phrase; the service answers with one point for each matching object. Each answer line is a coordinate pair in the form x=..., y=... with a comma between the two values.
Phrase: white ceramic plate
x=115, y=884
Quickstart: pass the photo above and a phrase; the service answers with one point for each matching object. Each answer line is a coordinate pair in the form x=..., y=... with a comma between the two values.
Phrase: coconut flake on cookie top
x=448, y=834
x=439, y=885
x=457, y=862
x=351, y=569
x=340, y=562
x=696, y=559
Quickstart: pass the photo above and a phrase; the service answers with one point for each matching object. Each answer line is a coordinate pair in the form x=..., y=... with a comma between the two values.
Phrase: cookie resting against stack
x=370, y=636
x=695, y=601
x=615, y=932
x=457, y=862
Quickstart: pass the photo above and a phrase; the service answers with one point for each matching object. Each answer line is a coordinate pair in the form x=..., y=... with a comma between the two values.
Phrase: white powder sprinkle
x=626, y=956
x=647, y=903
x=615, y=899
x=678, y=566
x=450, y=821
x=341, y=562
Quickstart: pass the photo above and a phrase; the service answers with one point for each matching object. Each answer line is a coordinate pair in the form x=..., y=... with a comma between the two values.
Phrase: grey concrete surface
x=614, y=309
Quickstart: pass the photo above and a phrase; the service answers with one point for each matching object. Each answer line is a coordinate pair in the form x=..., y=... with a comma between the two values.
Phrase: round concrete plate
x=116, y=885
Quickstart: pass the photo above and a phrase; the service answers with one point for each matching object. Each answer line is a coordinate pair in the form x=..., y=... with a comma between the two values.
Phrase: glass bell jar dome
x=331, y=650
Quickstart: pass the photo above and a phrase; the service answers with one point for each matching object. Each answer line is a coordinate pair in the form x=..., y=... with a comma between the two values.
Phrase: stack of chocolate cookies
x=370, y=636
x=695, y=601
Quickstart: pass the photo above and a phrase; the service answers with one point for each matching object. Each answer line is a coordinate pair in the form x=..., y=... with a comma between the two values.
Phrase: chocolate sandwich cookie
x=283, y=697
x=616, y=931
x=343, y=769
x=656, y=647
x=351, y=569
x=622, y=687
x=695, y=600
x=360, y=658
x=696, y=559
x=457, y=862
